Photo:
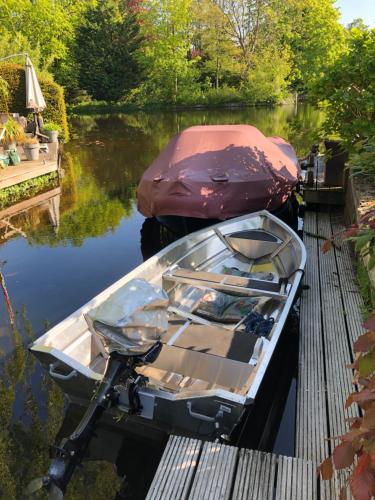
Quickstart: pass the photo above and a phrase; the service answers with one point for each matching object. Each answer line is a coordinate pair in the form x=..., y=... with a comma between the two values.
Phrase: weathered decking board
x=15, y=175
x=311, y=430
x=329, y=323
x=26, y=170
x=351, y=296
x=190, y=469
x=337, y=348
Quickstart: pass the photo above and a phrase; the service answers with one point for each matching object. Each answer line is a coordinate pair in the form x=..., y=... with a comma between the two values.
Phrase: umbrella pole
x=37, y=129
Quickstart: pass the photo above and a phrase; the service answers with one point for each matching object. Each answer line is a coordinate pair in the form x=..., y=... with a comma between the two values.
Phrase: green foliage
x=12, y=131
x=40, y=25
x=362, y=162
x=218, y=55
x=365, y=287
x=105, y=50
x=51, y=126
x=267, y=80
x=175, y=51
x=315, y=38
x=26, y=189
x=348, y=90
x=165, y=26
x=15, y=100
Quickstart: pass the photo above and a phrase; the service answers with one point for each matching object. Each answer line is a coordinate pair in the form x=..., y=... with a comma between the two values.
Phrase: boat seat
x=212, y=339
x=254, y=243
x=226, y=282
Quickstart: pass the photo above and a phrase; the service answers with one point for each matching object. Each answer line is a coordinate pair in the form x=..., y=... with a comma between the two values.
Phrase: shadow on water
x=64, y=249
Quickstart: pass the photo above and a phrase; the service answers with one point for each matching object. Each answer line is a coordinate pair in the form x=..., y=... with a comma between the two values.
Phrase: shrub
x=14, y=100
x=50, y=127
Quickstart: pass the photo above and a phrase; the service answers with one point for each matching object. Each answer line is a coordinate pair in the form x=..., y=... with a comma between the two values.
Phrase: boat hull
x=207, y=374
x=181, y=226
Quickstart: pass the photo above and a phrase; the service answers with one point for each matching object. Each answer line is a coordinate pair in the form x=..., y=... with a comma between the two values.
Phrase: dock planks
x=330, y=321
x=193, y=470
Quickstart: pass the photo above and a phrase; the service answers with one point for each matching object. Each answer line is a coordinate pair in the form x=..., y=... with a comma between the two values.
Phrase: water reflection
x=67, y=244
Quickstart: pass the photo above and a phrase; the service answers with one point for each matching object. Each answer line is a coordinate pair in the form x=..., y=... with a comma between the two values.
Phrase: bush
x=15, y=99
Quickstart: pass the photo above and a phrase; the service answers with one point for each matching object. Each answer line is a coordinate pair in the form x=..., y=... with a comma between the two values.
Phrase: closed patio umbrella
x=34, y=96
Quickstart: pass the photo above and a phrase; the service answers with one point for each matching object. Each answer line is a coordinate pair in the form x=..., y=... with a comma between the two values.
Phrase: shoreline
x=98, y=108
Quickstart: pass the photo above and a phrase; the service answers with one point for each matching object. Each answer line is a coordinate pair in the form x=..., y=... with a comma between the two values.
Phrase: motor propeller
x=45, y=482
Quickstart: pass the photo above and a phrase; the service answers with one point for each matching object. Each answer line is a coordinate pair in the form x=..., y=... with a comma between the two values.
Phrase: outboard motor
x=129, y=324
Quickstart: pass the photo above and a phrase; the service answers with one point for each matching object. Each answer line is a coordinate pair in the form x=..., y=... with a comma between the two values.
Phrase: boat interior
x=227, y=293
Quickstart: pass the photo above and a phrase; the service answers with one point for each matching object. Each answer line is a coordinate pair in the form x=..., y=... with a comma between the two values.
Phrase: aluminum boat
x=229, y=290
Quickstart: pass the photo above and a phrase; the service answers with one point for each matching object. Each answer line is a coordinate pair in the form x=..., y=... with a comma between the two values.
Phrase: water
x=58, y=255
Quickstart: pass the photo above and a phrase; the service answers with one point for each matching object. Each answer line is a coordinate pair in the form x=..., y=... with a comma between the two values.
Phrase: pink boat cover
x=218, y=172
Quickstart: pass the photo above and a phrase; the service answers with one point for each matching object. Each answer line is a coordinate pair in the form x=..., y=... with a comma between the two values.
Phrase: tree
x=219, y=54
x=45, y=25
x=246, y=21
x=315, y=37
x=357, y=23
x=267, y=81
x=167, y=32
x=105, y=50
x=348, y=89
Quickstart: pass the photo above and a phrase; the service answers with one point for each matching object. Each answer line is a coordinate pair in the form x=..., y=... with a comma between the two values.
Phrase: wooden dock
x=191, y=469
x=330, y=321
x=26, y=170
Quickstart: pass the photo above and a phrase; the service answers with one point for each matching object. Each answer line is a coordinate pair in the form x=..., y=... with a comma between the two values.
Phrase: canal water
x=59, y=253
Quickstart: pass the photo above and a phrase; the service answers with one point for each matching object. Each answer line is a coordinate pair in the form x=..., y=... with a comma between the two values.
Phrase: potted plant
x=31, y=148
x=52, y=131
x=11, y=132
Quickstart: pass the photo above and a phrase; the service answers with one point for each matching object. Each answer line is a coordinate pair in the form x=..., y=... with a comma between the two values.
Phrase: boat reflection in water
x=154, y=237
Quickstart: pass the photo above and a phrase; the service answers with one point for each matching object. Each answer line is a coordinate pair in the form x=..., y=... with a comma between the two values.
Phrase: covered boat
x=216, y=309
x=218, y=172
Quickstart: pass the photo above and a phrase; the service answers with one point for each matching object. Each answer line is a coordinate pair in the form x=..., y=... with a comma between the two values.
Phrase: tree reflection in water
x=32, y=408
x=59, y=259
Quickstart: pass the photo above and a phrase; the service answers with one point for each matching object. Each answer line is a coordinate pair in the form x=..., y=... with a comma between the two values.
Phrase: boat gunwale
x=260, y=370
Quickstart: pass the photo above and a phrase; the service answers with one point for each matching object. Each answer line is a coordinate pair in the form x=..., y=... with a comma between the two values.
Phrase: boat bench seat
x=225, y=282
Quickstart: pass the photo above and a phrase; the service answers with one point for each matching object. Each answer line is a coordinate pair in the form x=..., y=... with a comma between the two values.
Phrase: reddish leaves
x=362, y=482
x=361, y=397
x=368, y=421
x=326, y=469
x=365, y=342
x=370, y=323
x=327, y=245
x=352, y=231
x=343, y=455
